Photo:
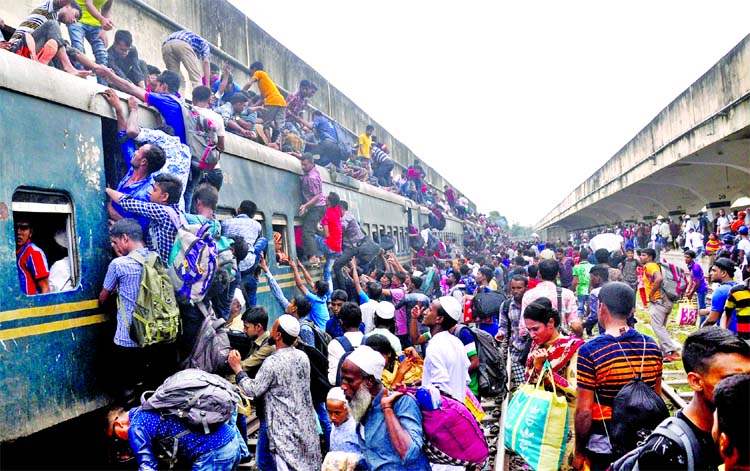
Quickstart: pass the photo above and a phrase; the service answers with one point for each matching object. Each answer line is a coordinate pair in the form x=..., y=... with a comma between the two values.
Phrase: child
x=712, y=248
x=344, y=446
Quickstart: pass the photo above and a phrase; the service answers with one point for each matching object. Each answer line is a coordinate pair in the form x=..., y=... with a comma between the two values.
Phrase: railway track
x=674, y=388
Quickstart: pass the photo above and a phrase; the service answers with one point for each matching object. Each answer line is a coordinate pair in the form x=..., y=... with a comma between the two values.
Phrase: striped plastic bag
x=536, y=424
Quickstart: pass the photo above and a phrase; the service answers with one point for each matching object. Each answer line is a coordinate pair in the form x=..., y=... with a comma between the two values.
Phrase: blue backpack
x=193, y=260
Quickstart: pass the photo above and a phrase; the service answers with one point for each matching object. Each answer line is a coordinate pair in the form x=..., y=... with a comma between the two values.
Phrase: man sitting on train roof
x=122, y=57
x=165, y=98
x=31, y=262
x=239, y=117
x=174, y=158
x=39, y=38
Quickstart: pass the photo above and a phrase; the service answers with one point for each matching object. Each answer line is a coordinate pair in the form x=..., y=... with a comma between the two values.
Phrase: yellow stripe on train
x=50, y=327
x=52, y=310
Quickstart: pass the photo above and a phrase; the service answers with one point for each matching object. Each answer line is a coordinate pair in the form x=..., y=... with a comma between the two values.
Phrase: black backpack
x=636, y=411
x=322, y=339
x=493, y=377
x=211, y=348
x=319, y=384
x=487, y=305
x=674, y=429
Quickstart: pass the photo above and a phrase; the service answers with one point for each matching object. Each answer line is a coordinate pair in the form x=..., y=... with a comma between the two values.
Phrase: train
x=60, y=153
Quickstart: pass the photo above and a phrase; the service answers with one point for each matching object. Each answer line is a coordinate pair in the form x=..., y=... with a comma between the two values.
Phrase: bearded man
x=392, y=438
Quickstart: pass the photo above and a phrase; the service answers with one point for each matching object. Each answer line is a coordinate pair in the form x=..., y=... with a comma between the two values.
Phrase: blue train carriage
x=53, y=346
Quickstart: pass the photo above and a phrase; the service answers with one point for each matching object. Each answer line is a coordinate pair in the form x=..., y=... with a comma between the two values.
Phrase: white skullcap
x=289, y=324
x=416, y=273
x=61, y=237
x=451, y=306
x=336, y=394
x=385, y=310
x=368, y=360
x=547, y=254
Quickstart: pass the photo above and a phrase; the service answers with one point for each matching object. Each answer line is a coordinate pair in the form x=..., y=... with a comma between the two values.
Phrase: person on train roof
x=186, y=48
x=164, y=98
x=274, y=116
x=123, y=58
x=31, y=262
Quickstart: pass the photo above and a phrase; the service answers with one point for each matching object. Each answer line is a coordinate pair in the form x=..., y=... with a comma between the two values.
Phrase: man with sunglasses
x=33, y=272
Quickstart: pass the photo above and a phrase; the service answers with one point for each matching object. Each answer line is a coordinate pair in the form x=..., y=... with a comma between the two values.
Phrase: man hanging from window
x=33, y=272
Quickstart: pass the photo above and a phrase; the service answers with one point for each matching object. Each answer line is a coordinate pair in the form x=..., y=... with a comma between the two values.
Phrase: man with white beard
x=391, y=439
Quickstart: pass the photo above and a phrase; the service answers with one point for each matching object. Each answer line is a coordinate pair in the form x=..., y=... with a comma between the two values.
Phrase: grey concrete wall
x=692, y=122
x=241, y=39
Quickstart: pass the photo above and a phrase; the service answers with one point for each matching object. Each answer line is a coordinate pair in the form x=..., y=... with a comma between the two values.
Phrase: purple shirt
x=697, y=273
x=313, y=185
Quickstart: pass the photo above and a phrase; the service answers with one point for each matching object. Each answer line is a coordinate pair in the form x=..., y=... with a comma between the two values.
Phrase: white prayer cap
x=240, y=298
x=547, y=254
x=385, y=310
x=368, y=360
x=289, y=324
x=336, y=394
x=61, y=237
x=451, y=306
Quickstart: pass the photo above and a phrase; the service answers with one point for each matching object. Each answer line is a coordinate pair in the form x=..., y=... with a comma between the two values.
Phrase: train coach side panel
x=49, y=343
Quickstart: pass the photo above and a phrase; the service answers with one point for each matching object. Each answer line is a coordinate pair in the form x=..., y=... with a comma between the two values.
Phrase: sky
x=515, y=102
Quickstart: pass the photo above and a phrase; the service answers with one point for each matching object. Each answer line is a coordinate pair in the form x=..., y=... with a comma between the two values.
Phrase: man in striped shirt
x=605, y=365
x=187, y=48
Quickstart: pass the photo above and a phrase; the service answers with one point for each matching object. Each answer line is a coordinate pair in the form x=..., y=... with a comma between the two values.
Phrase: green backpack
x=156, y=317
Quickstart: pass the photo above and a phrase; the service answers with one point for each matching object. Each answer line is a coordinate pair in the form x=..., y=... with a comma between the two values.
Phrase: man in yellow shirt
x=365, y=142
x=660, y=307
x=274, y=116
x=94, y=19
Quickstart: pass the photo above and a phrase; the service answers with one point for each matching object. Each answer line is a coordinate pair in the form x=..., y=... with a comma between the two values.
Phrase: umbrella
x=534, y=235
x=609, y=241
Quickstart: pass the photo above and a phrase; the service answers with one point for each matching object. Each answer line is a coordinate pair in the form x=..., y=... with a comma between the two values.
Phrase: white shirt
x=446, y=365
x=695, y=240
x=723, y=223
x=368, y=314
x=744, y=245
x=394, y=341
x=59, y=276
x=425, y=235
x=336, y=351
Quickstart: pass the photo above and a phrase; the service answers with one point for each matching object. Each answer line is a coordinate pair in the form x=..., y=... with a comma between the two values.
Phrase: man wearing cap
x=391, y=437
x=351, y=317
x=284, y=382
x=722, y=272
x=385, y=323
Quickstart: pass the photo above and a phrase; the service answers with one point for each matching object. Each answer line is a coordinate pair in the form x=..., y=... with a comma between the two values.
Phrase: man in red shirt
x=331, y=246
x=33, y=272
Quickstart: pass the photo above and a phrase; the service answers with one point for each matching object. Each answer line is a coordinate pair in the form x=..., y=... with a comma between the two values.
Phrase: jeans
x=248, y=280
x=330, y=256
x=582, y=298
x=325, y=424
x=78, y=31
x=263, y=457
x=225, y=458
x=383, y=173
x=309, y=228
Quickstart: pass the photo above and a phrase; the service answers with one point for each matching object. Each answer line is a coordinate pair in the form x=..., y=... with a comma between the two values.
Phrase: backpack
x=319, y=384
x=636, y=411
x=211, y=348
x=674, y=429
x=202, y=399
x=451, y=433
x=486, y=305
x=156, y=317
x=322, y=339
x=433, y=243
x=675, y=282
x=193, y=260
x=202, y=138
x=493, y=377
x=348, y=349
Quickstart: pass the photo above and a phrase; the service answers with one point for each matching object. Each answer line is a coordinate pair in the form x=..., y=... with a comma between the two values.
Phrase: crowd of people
x=327, y=378
x=267, y=117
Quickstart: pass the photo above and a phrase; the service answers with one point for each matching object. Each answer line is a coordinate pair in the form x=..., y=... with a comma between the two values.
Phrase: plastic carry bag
x=687, y=313
x=536, y=424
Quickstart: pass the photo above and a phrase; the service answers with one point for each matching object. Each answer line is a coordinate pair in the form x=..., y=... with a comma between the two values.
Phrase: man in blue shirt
x=722, y=272
x=328, y=141
x=390, y=427
x=148, y=430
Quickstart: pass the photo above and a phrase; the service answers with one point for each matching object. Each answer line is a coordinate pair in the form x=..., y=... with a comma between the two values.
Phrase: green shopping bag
x=536, y=424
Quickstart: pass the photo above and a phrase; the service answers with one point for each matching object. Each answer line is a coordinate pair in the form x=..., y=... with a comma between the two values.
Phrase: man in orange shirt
x=660, y=306
x=274, y=116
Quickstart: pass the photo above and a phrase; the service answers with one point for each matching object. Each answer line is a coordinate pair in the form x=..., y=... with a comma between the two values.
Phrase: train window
x=280, y=239
x=261, y=219
x=224, y=212
x=298, y=239
x=46, y=242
